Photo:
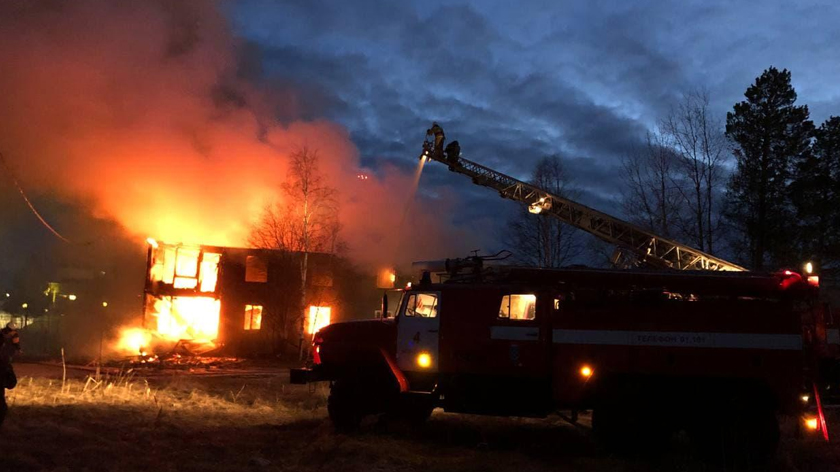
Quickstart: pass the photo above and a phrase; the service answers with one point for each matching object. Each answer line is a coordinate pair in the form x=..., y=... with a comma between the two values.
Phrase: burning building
x=247, y=302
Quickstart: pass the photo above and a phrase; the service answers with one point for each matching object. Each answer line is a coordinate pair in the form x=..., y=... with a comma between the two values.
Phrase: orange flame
x=134, y=340
x=188, y=318
x=319, y=317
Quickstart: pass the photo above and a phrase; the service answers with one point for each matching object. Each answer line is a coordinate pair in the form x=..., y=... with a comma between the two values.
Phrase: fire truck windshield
x=424, y=305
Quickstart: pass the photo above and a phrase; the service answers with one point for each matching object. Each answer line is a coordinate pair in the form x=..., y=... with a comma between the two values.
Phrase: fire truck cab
x=718, y=355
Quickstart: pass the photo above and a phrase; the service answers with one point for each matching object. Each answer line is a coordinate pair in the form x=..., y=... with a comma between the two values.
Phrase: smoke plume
x=141, y=113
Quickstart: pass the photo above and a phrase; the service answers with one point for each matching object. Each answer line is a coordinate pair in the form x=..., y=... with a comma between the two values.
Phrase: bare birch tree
x=650, y=198
x=700, y=145
x=541, y=240
x=305, y=221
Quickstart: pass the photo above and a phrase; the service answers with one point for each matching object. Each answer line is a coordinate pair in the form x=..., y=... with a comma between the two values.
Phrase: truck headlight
x=424, y=360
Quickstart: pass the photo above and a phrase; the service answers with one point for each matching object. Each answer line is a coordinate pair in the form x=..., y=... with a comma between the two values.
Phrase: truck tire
x=746, y=436
x=628, y=423
x=344, y=406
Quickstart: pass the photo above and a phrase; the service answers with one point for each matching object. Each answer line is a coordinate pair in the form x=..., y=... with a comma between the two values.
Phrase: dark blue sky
x=515, y=81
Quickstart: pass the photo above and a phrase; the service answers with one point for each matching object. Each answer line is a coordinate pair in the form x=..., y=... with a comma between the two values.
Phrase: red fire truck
x=650, y=353
x=698, y=345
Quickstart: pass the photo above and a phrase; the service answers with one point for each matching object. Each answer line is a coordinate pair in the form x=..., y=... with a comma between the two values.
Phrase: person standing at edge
x=9, y=346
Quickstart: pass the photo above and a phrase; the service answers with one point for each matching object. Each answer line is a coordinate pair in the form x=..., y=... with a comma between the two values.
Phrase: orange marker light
x=586, y=371
x=812, y=423
x=424, y=360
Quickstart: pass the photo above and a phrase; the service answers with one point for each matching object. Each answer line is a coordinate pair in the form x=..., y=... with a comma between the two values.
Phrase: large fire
x=178, y=316
x=318, y=317
x=134, y=340
x=194, y=318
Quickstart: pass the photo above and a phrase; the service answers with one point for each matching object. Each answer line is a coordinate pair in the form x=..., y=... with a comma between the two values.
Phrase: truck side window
x=424, y=305
x=518, y=307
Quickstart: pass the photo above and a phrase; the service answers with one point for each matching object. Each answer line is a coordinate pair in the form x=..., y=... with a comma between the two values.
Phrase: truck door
x=418, y=326
x=519, y=351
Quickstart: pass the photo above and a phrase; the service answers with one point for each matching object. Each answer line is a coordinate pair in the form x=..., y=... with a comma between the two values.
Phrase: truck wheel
x=628, y=427
x=344, y=406
x=749, y=436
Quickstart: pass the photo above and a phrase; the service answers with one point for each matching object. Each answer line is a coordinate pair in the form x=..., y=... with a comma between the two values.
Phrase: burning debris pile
x=181, y=362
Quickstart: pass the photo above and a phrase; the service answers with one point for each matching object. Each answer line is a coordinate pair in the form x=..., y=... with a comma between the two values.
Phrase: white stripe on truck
x=515, y=333
x=783, y=342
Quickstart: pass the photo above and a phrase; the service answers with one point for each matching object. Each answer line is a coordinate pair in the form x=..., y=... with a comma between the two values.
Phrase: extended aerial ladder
x=648, y=248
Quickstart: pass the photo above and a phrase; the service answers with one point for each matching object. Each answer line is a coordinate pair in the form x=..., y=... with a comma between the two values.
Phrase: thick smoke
x=140, y=112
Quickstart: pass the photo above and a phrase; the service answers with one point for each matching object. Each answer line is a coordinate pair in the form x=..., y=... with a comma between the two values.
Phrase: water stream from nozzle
x=415, y=184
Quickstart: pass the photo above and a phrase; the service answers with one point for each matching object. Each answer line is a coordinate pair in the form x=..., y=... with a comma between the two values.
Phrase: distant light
x=805, y=398
x=586, y=371
x=8, y=294
x=25, y=306
x=152, y=242
x=104, y=304
x=393, y=277
x=424, y=360
x=814, y=280
x=812, y=424
x=809, y=268
x=71, y=297
x=408, y=285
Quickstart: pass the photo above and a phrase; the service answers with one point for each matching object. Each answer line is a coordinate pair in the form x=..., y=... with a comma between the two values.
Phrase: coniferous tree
x=815, y=193
x=769, y=134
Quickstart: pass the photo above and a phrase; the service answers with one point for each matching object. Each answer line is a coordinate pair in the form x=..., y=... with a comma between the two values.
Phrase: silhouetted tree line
x=777, y=204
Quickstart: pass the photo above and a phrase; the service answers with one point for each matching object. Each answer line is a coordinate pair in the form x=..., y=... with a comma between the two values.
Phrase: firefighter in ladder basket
x=9, y=346
x=440, y=138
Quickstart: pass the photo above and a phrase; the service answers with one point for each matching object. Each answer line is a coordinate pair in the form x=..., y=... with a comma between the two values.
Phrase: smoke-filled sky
x=176, y=119
x=150, y=114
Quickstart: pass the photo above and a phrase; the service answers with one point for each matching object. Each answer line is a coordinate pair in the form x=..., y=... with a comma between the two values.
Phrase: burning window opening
x=209, y=272
x=195, y=318
x=184, y=267
x=253, y=317
x=185, y=282
x=319, y=317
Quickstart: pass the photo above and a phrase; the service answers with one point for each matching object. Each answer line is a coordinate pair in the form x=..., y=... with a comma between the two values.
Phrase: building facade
x=247, y=302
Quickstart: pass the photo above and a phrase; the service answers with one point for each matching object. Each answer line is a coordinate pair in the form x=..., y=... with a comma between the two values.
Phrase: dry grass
x=176, y=399
x=218, y=424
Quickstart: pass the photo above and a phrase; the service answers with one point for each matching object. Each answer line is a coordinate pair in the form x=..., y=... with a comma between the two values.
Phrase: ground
x=252, y=419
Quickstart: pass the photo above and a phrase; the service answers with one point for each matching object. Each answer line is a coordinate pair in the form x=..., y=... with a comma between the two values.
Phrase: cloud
x=517, y=81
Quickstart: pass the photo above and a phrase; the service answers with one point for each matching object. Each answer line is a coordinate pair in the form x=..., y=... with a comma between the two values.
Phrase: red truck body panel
x=677, y=326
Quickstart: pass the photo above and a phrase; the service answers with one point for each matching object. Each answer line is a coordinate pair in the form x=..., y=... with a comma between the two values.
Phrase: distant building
x=246, y=300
